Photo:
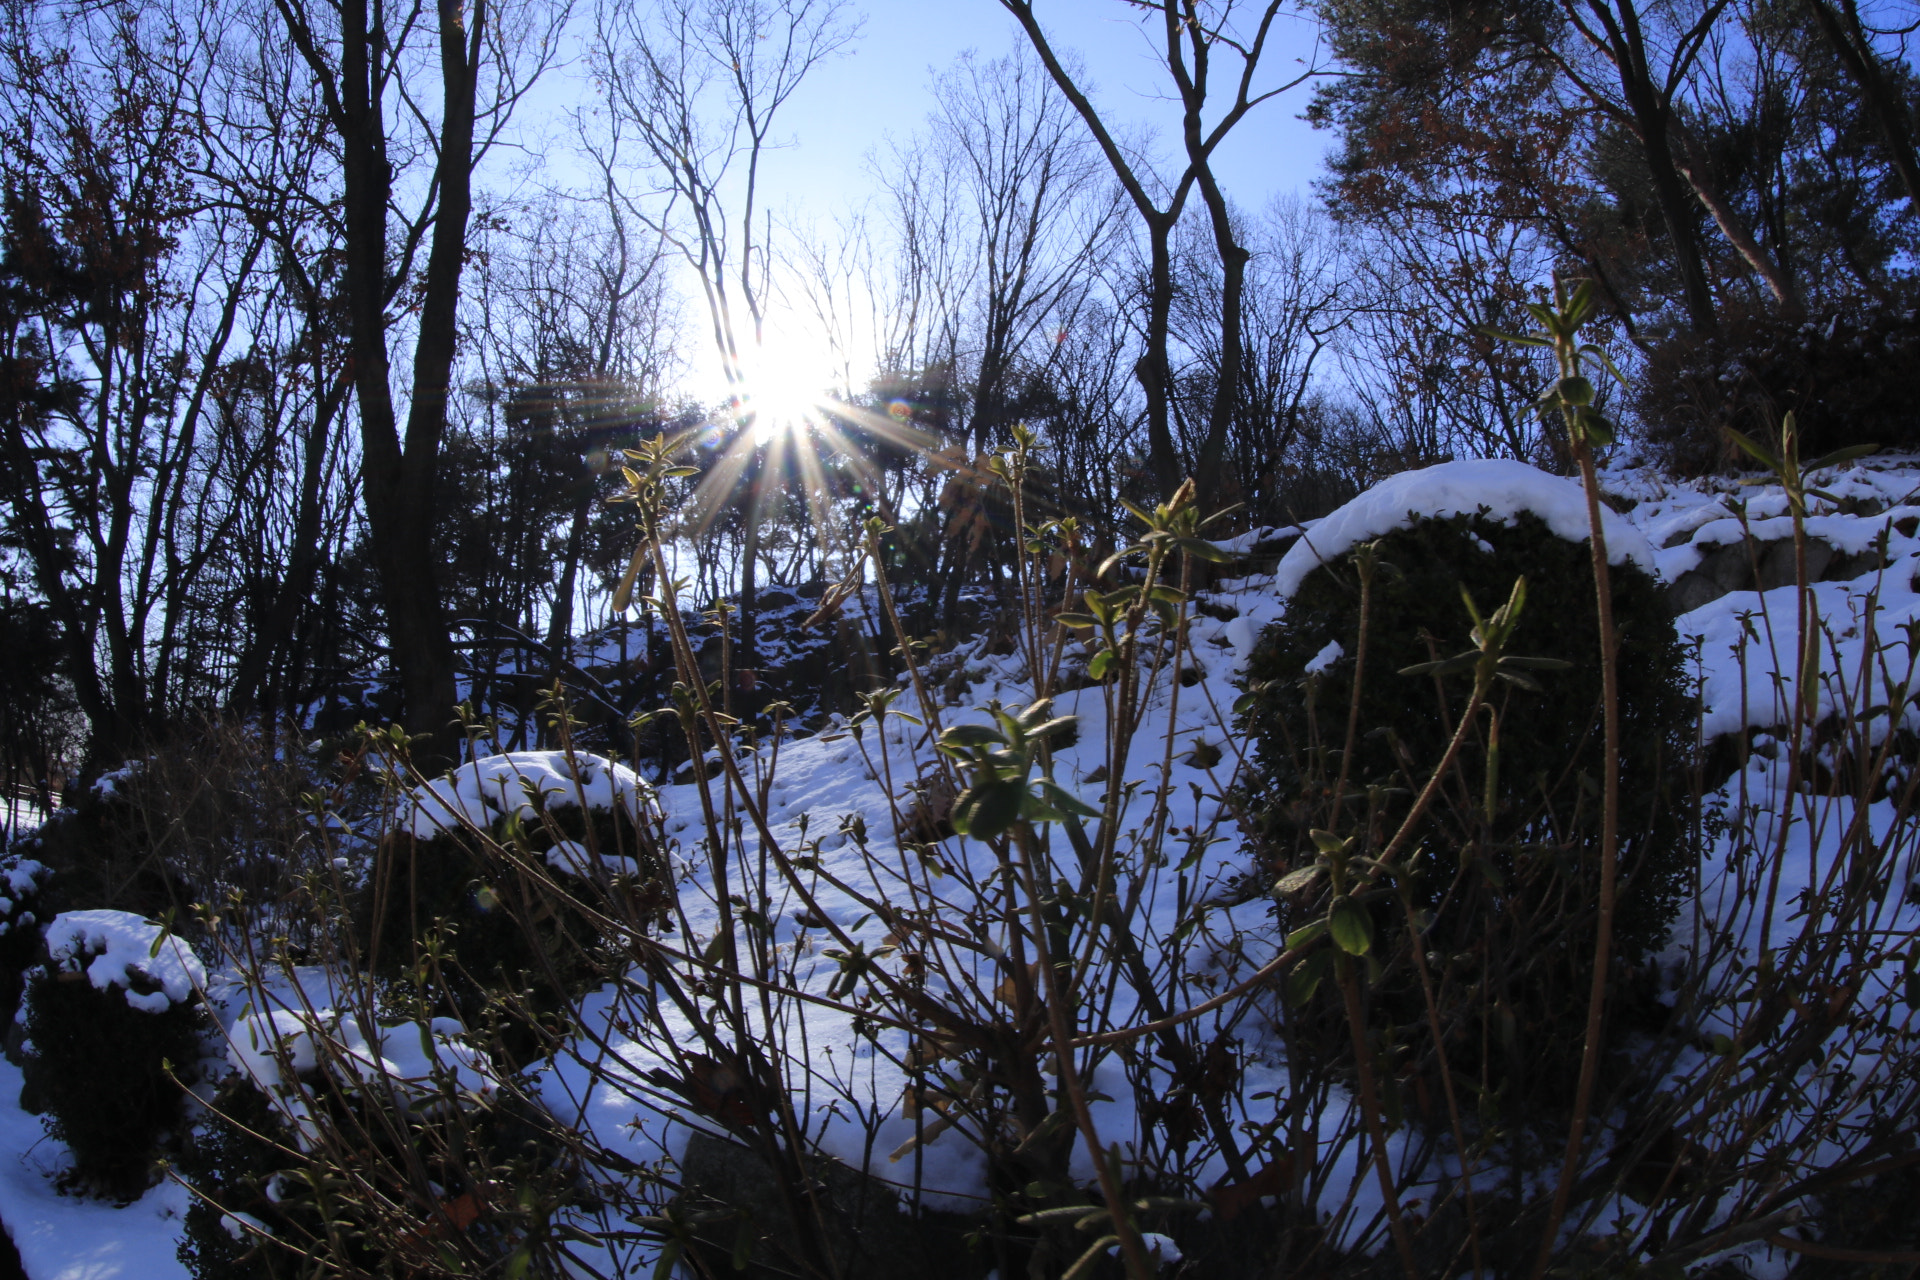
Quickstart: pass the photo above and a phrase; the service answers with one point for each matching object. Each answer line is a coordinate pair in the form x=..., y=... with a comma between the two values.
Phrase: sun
x=784, y=388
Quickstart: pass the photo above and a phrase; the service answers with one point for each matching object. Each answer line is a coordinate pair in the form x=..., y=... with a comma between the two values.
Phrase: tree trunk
x=399, y=478
x=1653, y=119
x=1226, y=389
x=1694, y=165
x=1152, y=369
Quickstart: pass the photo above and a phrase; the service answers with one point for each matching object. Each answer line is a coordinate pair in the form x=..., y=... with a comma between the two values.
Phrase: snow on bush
x=23, y=878
x=484, y=791
x=119, y=949
x=274, y=1049
x=1500, y=487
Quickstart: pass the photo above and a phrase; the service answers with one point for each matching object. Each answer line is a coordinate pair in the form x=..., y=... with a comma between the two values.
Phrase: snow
x=22, y=879
x=481, y=792
x=1325, y=658
x=1745, y=642
x=420, y=1061
x=1159, y=1248
x=1499, y=486
x=577, y=859
x=66, y=1237
x=119, y=949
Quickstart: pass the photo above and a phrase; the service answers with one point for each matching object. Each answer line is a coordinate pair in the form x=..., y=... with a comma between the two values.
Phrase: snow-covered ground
x=1745, y=645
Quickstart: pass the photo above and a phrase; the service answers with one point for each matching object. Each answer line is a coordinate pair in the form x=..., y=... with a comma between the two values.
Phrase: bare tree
x=127, y=294
x=414, y=101
x=696, y=86
x=578, y=344
x=1190, y=36
x=1294, y=302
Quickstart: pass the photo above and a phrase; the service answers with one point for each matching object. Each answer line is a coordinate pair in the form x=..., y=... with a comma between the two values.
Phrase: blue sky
x=848, y=108
x=881, y=87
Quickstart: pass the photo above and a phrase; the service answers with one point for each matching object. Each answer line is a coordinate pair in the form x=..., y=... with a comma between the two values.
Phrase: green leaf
x=1077, y=621
x=1298, y=881
x=1050, y=728
x=1839, y=456
x=1064, y=801
x=1459, y=664
x=623, y=594
x=743, y=1242
x=1101, y=664
x=1351, y=926
x=1518, y=339
x=1201, y=549
x=1307, y=977
x=1598, y=431
x=1305, y=933
x=972, y=735
x=987, y=809
x=1326, y=841
x=1752, y=448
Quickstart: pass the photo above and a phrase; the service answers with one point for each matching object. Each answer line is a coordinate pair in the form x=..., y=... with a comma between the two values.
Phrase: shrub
x=22, y=882
x=1843, y=375
x=462, y=894
x=214, y=808
x=1507, y=876
x=236, y=1159
x=114, y=1022
x=395, y=1154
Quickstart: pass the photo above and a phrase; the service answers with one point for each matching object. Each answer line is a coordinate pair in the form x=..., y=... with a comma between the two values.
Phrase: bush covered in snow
x=1508, y=871
x=383, y=1148
x=22, y=885
x=115, y=1023
x=463, y=890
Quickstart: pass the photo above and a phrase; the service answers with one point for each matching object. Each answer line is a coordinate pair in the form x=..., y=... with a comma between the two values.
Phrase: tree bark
x=1654, y=120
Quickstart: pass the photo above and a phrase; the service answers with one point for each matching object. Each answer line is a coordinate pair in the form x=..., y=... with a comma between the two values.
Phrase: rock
x=775, y=600
x=1844, y=568
x=872, y=1233
x=1731, y=568
x=1723, y=569
x=1777, y=563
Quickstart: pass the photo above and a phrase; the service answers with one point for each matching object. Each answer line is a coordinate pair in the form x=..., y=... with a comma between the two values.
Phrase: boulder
x=1764, y=566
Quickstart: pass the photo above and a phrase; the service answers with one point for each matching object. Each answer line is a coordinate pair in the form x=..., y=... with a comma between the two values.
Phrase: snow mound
x=404, y=1051
x=418, y=1062
x=484, y=791
x=119, y=949
x=1503, y=488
